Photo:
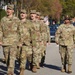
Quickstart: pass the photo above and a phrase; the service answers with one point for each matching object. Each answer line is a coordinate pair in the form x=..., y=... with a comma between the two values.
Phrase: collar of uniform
x=10, y=18
x=24, y=21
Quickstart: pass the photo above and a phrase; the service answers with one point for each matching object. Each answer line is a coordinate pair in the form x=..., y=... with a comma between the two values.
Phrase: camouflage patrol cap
x=23, y=11
x=42, y=18
x=33, y=12
x=38, y=13
x=10, y=6
x=67, y=19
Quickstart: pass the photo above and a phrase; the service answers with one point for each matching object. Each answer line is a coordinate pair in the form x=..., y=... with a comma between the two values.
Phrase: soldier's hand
x=41, y=43
x=20, y=45
x=57, y=43
x=0, y=43
x=48, y=43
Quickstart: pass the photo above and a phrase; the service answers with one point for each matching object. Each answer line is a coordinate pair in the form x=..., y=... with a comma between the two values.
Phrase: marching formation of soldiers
x=26, y=40
x=23, y=39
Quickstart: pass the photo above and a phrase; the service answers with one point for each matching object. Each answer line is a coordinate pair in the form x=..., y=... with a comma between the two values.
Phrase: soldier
x=38, y=14
x=9, y=38
x=36, y=40
x=45, y=38
x=25, y=41
x=65, y=37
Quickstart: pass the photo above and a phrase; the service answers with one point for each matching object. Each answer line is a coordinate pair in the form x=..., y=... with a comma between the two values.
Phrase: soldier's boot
x=65, y=67
x=42, y=61
x=38, y=66
x=62, y=69
x=21, y=71
x=30, y=66
x=10, y=73
x=4, y=61
x=69, y=69
x=34, y=69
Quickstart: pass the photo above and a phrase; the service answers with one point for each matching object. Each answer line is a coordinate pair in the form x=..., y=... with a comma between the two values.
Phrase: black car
x=53, y=29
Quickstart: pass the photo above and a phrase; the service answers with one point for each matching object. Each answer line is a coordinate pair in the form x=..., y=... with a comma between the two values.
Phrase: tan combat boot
x=34, y=69
x=21, y=71
x=30, y=66
x=62, y=69
x=38, y=66
x=3, y=59
x=69, y=69
x=10, y=73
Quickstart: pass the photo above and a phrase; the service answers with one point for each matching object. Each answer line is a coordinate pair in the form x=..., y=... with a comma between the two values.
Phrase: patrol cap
x=67, y=18
x=10, y=6
x=42, y=18
x=33, y=12
x=23, y=11
x=38, y=13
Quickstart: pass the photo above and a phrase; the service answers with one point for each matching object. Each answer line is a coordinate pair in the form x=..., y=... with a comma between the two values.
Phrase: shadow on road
x=2, y=73
x=52, y=67
x=3, y=68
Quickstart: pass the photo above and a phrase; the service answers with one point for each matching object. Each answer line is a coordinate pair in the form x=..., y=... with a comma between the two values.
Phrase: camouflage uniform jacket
x=65, y=35
x=9, y=30
x=25, y=33
x=35, y=32
x=45, y=34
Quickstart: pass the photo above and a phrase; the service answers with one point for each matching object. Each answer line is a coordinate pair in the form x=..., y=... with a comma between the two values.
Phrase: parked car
x=53, y=29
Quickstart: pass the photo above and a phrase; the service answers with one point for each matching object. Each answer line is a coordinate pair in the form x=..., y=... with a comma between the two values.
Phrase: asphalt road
x=52, y=64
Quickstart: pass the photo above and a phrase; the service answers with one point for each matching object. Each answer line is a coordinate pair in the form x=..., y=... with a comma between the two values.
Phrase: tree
x=46, y=7
x=68, y=7
x=56, y=9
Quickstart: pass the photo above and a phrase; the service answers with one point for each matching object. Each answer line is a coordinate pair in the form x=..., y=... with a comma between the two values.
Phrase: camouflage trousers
x=43, y=49
x=10, y=56
x=66, y=54
x=36, y=54
x=18, y=53
x=26, y=54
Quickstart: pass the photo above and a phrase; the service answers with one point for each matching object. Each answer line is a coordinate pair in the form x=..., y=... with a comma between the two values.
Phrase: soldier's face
x=42, y=20
x=67, y=21
x=23, y=15
x=38, y=17
x=9, y=12
x=33, y=16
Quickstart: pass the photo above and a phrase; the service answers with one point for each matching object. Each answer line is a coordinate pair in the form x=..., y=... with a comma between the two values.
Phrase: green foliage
x=46, y=7
x=2, y=13
x=68, y=7
x=54, y=8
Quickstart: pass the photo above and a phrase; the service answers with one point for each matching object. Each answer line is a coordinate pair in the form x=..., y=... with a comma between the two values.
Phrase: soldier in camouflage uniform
x=65, y=37
x=25, y=41
x=38, y=14
x=45, y=34
x=9, y=38
x=36, y=40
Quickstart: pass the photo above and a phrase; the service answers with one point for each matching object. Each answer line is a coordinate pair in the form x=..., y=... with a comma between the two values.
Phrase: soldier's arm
x=1, y=32
x=48, y=34
x=74, y=35
x=57, y=35
x=20, y=35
